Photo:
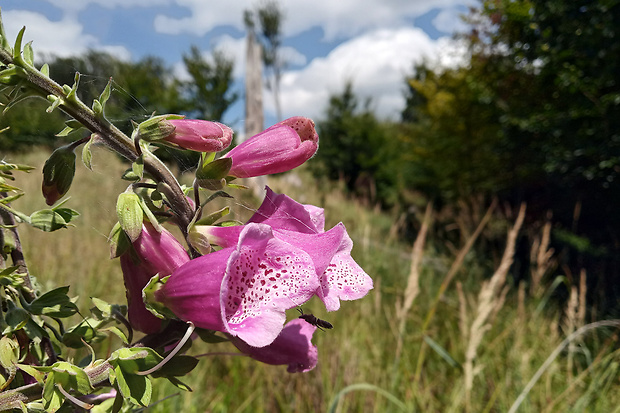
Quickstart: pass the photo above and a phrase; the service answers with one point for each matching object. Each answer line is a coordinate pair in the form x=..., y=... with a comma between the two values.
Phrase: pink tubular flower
x=293, y=347
x=199, y=135
x=243, y=290
x=280, y=148
x=155, y=253
x=302, y=226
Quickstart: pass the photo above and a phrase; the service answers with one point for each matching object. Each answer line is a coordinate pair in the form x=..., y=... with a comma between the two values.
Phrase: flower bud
x=194, y=134
x=58, y=173
x=282, y=147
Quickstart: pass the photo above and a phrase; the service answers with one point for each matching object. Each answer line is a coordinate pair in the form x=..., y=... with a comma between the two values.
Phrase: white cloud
x=450, y=21
x=376, y=63
x=61, y=38
x=339, y=19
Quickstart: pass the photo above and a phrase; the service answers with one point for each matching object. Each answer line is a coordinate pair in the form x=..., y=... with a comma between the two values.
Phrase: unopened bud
x=58, y=173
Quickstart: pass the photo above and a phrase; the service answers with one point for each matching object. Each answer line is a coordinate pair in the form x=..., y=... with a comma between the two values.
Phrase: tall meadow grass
x=439, y=333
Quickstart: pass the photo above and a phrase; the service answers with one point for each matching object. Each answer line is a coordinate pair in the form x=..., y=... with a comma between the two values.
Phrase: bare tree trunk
x=254, y=101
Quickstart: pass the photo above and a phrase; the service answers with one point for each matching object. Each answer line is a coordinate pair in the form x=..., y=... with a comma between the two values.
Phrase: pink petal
x=264, y=277
x=293, y=346
x=343, y=279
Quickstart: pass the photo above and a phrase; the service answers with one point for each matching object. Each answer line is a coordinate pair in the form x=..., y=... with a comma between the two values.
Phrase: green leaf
x=105, y=95
x=130, y=215
x=17, y=48
x=118, y=332
x=28, y=54
x=137, y=389
x=45, y=69
x=9, y=352
x=71, y=376
x=49, y=220
x=38, y=375
x=177, y=366
x=56, y=101
x=443, y=353
x=87, y=156
x=54, y=303
x=16, y=318
x=72, y=95
x=213, y=217
x=52, y=398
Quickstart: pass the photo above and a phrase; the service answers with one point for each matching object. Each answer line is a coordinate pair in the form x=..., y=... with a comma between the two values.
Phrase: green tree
x=209, y=91
x=358, y=149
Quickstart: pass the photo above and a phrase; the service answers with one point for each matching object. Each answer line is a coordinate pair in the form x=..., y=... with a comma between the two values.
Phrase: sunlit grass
x=361, y=347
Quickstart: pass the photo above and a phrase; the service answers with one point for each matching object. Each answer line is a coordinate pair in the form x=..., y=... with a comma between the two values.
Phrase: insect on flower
x=317, y=322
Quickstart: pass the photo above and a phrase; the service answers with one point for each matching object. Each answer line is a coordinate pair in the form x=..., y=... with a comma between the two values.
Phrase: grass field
x=404, y=347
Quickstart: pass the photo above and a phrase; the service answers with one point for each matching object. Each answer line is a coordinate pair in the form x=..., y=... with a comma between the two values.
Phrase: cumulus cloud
x=376, y=63
x=58, y=38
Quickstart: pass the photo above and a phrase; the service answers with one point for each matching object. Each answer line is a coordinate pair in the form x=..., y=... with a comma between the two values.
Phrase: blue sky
x=372, y=43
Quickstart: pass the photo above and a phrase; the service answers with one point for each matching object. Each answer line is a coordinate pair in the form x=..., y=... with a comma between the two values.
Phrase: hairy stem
x=108, y=133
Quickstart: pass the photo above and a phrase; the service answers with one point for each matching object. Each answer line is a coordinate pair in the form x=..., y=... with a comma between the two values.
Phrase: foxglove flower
x=280, y=148
x=302, y=226
x=155, y=253
x=292, y=347
x=243, y=290
x=200, y=135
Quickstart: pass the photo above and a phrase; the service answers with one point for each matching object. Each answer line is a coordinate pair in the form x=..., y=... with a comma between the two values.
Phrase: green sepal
x=130, y=214
x=54, y=303
x=198, y=240
x=119, y=241
x=87, y=155
x=212, y=175
x=148, y=295
x=155, y=128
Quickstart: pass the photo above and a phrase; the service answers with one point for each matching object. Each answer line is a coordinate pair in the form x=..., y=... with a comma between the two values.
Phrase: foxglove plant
x=238, y=291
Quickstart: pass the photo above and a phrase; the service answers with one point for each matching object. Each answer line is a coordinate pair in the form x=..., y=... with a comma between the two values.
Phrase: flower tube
x=280, y=148
x=155, y=253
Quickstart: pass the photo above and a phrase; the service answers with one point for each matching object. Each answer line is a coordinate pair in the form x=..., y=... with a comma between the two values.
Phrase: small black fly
x=317, y=322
